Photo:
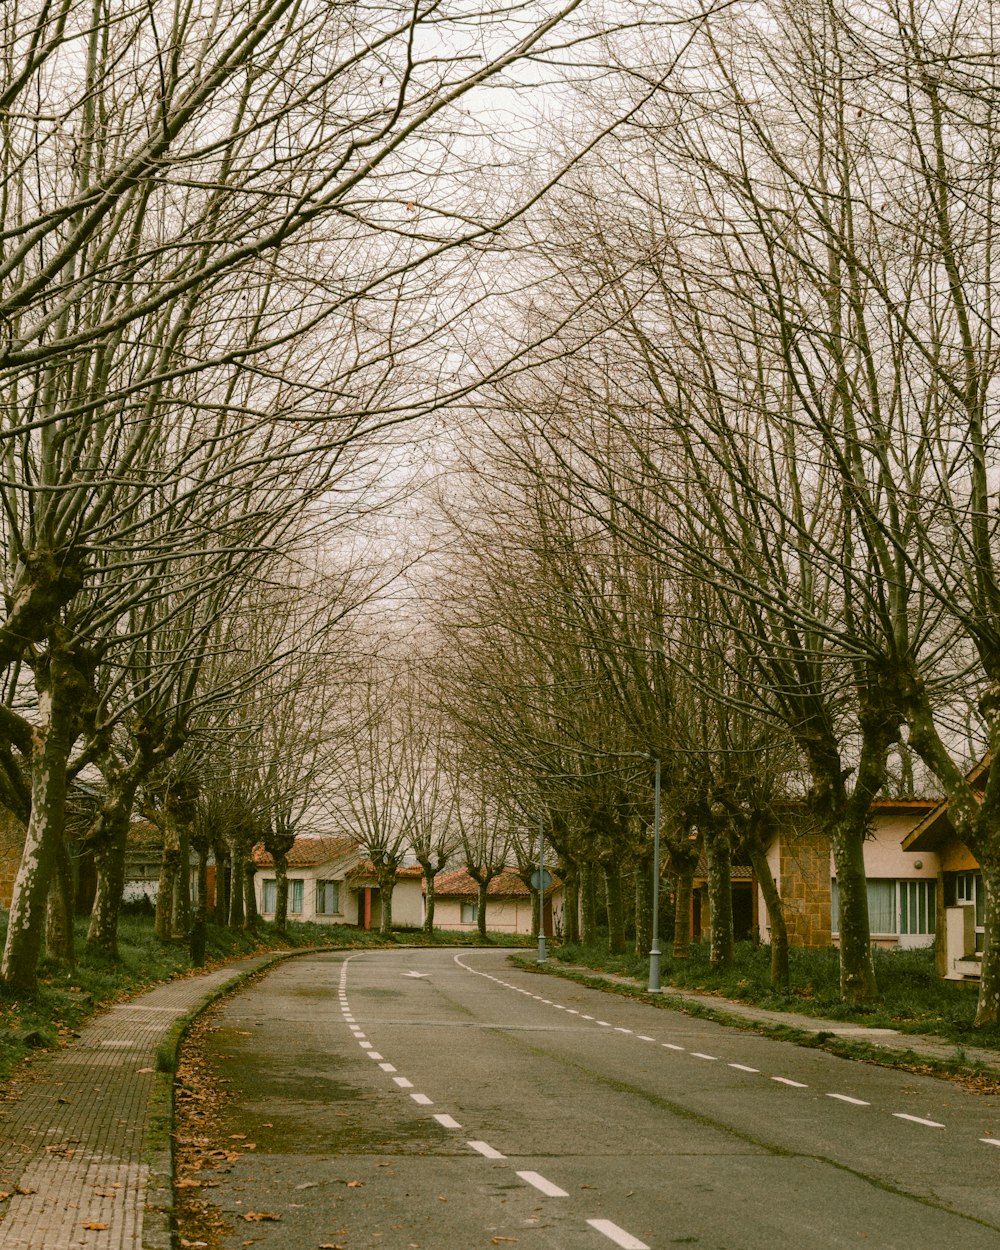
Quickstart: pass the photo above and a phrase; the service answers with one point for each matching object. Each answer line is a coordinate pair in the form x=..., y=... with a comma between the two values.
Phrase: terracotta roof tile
x=460, y=884
x=309, y=852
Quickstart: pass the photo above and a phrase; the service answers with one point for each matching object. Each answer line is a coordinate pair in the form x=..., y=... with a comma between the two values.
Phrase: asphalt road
x=434, y=1100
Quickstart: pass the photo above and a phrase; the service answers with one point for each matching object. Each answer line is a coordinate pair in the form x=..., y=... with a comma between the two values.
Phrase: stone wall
x=805, y=888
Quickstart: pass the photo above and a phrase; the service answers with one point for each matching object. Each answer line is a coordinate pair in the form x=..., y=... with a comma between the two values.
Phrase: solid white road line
x=545, y=1186
x=784, y=1080
x=447, y=1121
x=402, y=1082
x=485, y=1149
x=855, y=1102
x=916, y=1119
x=618, y=1235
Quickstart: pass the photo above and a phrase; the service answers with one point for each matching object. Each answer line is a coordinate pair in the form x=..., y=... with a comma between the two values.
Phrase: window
x=895, y=907
x=327, y=898
x=270, y=899
x=969, y=889
x=470, y=913
x=296, y=893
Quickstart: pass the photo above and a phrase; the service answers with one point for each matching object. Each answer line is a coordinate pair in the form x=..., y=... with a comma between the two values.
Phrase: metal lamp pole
x=654, y=950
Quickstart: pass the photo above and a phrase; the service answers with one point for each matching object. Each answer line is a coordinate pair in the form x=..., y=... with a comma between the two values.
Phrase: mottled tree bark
x=682, y=913
x=615, y=910
x=718, y=852
x=52, y=736
x=59, y=943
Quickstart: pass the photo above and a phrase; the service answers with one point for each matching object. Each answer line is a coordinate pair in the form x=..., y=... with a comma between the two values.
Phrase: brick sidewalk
x=73, y=1130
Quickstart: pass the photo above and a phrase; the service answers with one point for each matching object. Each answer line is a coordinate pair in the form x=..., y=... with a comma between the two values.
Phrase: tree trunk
x=682, y=914
x=59, y=909
x=616, y=917
x=588, y=902
x=857, y=971
x=251, y=917
x=281, y=892
x=718, y=853
x=236, y=899
x=182, y=883
x=775, y=912
x=199, y=923
x=484, y=886
x=220, y=852
x=429, y=879
x=988, y=1006
x=169, y=866
x=571, y=905
x=52, y=739
x=386, y=878
x=644, y=907
x=109, y=856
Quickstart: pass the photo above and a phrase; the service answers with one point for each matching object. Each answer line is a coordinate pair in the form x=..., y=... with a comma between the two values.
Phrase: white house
x=508, y=903
x=331, y=882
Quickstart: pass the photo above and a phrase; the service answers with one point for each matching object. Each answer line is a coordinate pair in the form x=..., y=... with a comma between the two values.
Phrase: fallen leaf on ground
x=237, y=1136
x=4, y=1195
x=24, y=1190
x=261, y=1215
x=495, y=1241
x=145, y=1070
x=104, y=1193
x=185, y=1242
x=95, y=1224
x=188, y=1182
x=355, y=1184
x=65, y=1100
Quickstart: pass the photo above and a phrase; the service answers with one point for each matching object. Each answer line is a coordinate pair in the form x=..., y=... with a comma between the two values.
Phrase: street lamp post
x=654, y=950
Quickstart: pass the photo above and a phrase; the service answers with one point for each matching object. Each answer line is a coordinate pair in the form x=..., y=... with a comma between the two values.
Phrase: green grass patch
x=913, y=998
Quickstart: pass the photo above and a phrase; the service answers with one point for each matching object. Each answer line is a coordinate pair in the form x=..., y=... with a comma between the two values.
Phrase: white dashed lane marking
x=402, y=1082
x=742, y=1067
x=422, y=1099
x=447, y=1121
x=855, y=1102
x=544, y=1186
x=485, y=1149
x=784, y=1080
x=916, y=1119
x=618, y=1235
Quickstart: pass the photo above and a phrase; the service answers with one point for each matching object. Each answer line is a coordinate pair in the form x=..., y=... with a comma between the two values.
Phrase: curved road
x=434, y=1100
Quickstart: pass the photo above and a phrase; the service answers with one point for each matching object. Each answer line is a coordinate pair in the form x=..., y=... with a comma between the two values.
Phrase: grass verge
x=913, y=998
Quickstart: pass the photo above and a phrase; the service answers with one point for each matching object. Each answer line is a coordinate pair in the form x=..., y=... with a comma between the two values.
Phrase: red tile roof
x=459, y=884
x=309, y=852
x=366, y=869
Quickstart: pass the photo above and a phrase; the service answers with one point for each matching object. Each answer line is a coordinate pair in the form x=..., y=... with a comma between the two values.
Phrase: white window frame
x=969, y=889
x=915, y=885
x=268, y=894
x=323, y=885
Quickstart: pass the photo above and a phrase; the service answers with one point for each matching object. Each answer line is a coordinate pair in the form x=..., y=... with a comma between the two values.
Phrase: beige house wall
x=502, y=915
